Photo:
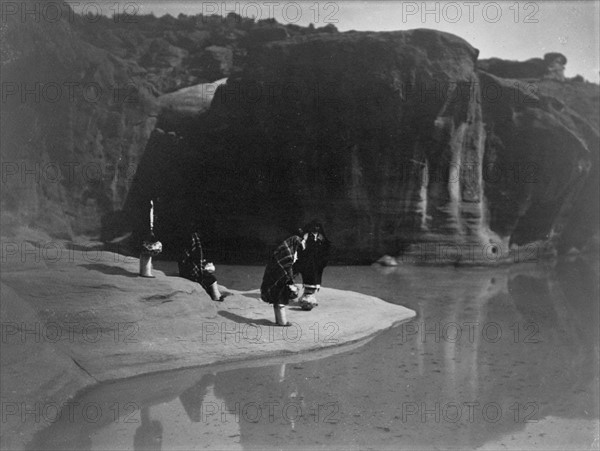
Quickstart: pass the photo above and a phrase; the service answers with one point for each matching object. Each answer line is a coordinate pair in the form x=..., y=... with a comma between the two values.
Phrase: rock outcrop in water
x=397, y=140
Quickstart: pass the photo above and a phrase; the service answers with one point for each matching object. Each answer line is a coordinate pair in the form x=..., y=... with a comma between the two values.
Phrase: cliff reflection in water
x=491, y=352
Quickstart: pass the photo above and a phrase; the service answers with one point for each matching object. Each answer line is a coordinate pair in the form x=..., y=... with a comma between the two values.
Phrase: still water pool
x=497, y=358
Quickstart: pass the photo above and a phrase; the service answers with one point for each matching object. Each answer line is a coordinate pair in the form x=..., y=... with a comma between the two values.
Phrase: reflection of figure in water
x=312, y=261
x=278, y=281
x=193, y=397
x=194, y=267
x=270, y=402
x=290, y=394
x=148, y=436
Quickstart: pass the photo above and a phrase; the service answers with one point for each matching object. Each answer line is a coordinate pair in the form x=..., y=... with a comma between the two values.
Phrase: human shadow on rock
x=110, y=270
x=244, y=320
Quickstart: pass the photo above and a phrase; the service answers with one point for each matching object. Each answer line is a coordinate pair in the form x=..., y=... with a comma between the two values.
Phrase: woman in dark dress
x=193, y=266
x=278, y=287
x=312, y=261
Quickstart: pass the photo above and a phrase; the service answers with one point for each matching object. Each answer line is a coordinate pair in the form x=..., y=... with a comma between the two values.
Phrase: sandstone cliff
x=75, y=119
x=80, y=96
x=398, y=141
x=403, y=143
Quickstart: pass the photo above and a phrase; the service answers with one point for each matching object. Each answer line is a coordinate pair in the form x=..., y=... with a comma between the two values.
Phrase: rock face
x=400, y=142
x=75, y=120
x=397, y=141
x=80, y=97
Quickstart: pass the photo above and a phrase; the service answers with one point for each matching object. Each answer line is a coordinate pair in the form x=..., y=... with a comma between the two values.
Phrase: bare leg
x=146, y=265
x=214, y=293
x=280, y=315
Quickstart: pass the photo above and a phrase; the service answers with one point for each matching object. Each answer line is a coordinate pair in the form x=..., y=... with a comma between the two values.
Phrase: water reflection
x=148, y=436
x=491, y=352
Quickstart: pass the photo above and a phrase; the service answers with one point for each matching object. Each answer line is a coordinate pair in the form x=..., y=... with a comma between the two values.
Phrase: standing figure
x=312, y=261
x=193, y=266
x=278, y=281
x=150, y=248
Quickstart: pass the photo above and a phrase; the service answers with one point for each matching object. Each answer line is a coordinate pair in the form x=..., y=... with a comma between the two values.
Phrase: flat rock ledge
x=87, y=317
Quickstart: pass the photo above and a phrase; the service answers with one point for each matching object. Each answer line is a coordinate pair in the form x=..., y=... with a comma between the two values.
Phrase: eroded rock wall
x=75, y=120
x=80, y=96
x=400, y=142
x=395, y=140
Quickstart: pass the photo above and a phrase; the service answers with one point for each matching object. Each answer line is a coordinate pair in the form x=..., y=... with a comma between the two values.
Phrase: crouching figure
x=194, y=267
x=278, y=281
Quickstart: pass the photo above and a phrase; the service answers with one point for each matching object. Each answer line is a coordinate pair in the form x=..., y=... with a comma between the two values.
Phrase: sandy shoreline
x=74, y=319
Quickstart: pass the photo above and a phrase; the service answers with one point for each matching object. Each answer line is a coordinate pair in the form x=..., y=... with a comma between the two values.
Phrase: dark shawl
x=279, y=272
x=191, y=263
